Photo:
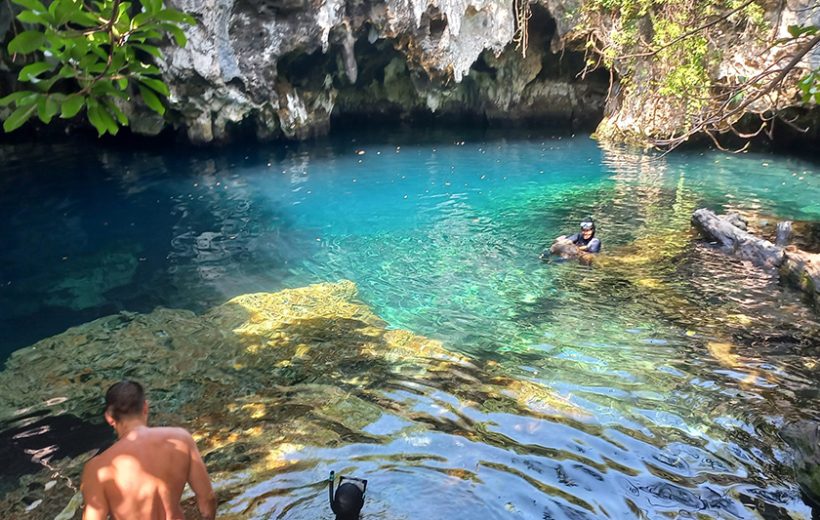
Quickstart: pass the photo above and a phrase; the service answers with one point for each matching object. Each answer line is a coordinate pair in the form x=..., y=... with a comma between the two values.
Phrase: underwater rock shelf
x=257, y=379
x=797, y=268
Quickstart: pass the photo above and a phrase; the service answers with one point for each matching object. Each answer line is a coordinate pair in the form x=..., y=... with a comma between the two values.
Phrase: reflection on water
x=653, y=383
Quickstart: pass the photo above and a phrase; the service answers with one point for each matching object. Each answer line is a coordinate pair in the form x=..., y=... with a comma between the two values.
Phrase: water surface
x=684, y=363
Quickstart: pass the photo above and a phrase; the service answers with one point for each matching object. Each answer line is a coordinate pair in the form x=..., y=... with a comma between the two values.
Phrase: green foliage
x=686, y=62
x=90, y=56
x=626, y=8
x=810, y=83
x=810, y=86
x=796, y=31
x=672, y=50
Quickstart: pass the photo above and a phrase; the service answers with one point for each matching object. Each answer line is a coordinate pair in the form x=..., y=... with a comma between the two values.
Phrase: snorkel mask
x=587, y=225
x=348, y=501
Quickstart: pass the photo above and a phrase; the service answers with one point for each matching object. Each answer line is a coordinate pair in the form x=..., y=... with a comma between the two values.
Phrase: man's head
x=588, y=228
x=124, y=400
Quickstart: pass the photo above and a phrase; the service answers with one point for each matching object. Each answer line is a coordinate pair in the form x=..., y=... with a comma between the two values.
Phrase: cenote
x=403, y=328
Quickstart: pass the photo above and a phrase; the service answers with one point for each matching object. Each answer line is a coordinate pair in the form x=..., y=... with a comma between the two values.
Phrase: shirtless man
x=143, y=474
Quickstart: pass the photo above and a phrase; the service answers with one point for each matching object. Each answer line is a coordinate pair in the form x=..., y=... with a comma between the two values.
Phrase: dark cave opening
x=437, y=23
x=305, y=70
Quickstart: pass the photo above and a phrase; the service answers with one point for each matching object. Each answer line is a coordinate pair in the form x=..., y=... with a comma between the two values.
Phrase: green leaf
x=156, y=85
x=14, y=97
x=176, y=17
x=71, y=106
x=32, y=17
x=121, y=118
x=84, y=19
x=45, y=85
x=106, y=88
x=149, y=49
x=144, y=69
x=103, y=87
x=26, y=42
x=66, y=10
x=30, y=98
x=123, y=23
x=18, y=118
x=152, y=6
x=98, y=52
x=33, y=70
x=101, y=119
x=139, y=20
x=47, y=108
x=151, y=100
x=177, y=33
x=66, y=72
x=799, y=30
x=34, y=5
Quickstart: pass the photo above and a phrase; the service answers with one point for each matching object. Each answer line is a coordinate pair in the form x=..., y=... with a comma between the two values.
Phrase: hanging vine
x=523, y=13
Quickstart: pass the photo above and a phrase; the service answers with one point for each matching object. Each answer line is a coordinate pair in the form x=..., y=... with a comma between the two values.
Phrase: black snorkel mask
x=348, y=501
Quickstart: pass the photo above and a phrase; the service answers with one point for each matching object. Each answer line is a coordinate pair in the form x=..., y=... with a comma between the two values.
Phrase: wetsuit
x=593, y=244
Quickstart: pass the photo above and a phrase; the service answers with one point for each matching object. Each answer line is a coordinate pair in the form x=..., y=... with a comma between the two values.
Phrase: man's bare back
x=143, y=475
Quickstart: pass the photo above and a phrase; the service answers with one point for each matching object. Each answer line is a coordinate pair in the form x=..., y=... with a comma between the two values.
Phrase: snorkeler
x=348, y=501
x=585, y=239
x=579, y=246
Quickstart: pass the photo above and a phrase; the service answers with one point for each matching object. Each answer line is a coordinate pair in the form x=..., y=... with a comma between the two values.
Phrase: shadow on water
x=128, y=230
x=29, y=440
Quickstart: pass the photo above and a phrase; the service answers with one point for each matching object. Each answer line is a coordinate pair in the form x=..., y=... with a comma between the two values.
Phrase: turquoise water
x=441, y=234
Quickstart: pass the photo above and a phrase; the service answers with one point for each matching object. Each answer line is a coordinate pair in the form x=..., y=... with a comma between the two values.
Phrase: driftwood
x=798, y=268
x=725, y=231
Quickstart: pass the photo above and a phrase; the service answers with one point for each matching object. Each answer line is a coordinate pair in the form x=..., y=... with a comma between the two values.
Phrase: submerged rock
x=802, y=269
x=804, y=439
x=258, y=380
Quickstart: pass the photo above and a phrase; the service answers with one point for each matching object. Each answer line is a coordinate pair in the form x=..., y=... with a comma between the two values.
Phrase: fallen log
x=725, y=231
x=797, y=268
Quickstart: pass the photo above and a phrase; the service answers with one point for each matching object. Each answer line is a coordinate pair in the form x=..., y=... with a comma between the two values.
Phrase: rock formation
x=282, y=68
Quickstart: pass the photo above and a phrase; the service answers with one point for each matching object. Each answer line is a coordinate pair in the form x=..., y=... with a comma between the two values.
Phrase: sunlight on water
x=653, y=383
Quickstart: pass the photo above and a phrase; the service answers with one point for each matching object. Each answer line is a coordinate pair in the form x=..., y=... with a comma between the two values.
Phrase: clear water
x=686, y=362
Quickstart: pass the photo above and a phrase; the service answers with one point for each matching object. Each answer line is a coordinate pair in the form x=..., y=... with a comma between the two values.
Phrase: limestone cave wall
x=289, y=68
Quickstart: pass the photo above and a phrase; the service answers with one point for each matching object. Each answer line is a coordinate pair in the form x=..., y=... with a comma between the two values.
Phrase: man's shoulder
x=97, y=463
x=171, y=432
